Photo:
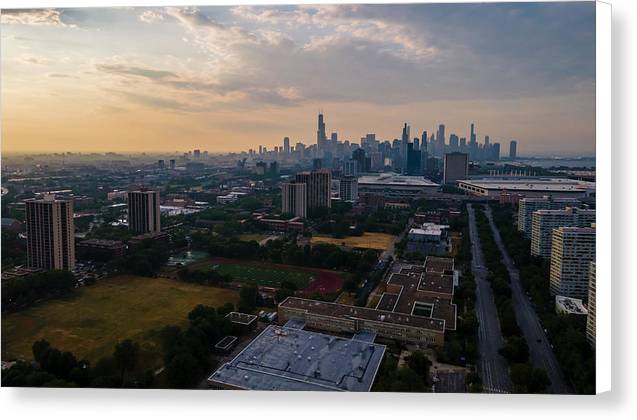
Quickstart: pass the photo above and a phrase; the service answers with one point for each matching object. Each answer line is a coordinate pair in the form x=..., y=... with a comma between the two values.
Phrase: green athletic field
x=261, y=276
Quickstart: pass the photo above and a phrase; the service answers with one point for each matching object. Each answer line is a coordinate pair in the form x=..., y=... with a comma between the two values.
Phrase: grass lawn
x=96, y=317
x=261, y=276
x=369, y=240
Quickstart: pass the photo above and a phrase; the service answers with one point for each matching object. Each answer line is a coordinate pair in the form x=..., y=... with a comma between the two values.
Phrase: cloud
x=120, y=69
x=61, y=76
x=29, y=59
x=36, y=17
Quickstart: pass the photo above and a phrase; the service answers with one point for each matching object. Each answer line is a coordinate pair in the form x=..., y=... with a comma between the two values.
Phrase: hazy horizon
x=228, y=79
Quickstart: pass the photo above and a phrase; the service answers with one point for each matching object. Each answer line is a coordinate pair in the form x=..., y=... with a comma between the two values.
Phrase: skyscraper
x=513, y=150
x=456, y=167
x=362, y=161
x=294, y=198
x=321, y=137
x=454, y=145
x=440, y=141
x=143, y=211
x=286, y=145
x=413, y=160
x=473, y=144
x=50, y=233
x=318, y=187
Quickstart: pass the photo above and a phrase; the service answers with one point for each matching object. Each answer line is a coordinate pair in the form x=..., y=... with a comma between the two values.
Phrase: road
x=540, y=350
x=494, y=370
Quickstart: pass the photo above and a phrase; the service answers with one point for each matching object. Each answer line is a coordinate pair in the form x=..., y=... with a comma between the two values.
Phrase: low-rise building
x=284, y=358
x=136, y=241
x=417, y=307
x=429, y=239
x=565, y=305
x=100, y=249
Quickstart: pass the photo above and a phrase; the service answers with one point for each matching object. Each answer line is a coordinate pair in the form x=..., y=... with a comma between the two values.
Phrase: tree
x=39, y=349
x=406, y=380
x=420, y=364
x=183, y=370
x=248, y=297
x=125, y=356
x=527, y=379
x=515, y=350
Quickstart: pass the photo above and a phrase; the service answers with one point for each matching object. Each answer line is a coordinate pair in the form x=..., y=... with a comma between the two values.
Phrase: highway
x=540, y=351
x=494, y=369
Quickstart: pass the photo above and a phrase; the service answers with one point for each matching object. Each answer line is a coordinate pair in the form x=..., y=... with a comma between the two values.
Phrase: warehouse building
x=391, y=185
x=493, y=187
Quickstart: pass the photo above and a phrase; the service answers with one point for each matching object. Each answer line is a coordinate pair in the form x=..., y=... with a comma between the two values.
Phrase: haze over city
x=230, y=78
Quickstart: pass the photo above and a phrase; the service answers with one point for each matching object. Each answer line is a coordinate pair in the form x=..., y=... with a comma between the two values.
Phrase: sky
x=231, y=78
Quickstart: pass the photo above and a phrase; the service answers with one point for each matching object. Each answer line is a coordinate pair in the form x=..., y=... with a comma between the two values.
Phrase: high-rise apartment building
x=572, y=251
x=456, y=167
x=590, y=319
x=527, y=206
x=348, y=189
x=318, y=187
x=50, y=233
x=143, y=211
x=294, y=198
x=544, y=221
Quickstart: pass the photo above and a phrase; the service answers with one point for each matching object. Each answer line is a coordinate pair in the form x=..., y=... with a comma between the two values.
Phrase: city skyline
x=231, y=78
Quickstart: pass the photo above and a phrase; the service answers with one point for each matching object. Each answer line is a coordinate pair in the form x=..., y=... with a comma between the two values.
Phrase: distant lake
x=569, y=163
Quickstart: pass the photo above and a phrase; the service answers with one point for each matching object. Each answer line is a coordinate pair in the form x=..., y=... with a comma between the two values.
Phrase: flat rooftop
x=241, y=318
x=570, y=305
x=531, y=184
x=290, y=359
x=396, y=180
x=425, y=290
x=338, y=310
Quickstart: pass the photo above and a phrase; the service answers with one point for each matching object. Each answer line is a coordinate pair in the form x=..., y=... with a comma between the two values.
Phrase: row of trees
x=461, y=346
x=287, y=252
x=567, y=333
x=56, y=368
x=203, y=277
x=525, y=377
x=188, y=352
x=338, y=220
x=21, y=292
x=145, y=260
x=187, y=356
